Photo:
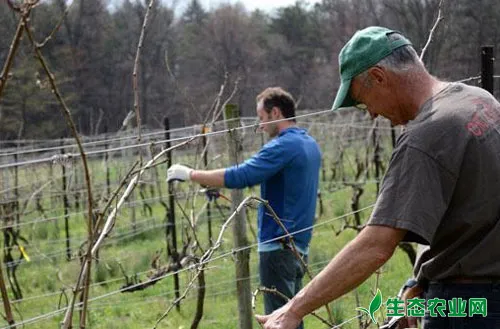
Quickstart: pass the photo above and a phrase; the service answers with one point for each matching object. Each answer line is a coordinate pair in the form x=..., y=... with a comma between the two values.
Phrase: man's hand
x=282, y=318
x=178, y=172
x=409, y=293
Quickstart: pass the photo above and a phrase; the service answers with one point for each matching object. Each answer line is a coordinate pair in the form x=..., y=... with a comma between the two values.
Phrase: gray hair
x=403, y=58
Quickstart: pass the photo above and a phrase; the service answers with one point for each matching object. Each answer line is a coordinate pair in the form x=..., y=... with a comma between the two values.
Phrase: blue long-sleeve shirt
x=287, y=167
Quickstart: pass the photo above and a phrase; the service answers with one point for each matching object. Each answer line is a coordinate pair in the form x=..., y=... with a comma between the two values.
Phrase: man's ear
x=276, y=112
x=378, y=75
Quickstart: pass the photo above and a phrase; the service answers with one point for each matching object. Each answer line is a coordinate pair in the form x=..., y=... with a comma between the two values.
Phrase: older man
x=287, y=167
x=441, y=187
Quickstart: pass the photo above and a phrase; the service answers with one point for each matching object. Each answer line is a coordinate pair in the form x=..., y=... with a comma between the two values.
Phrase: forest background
x=187, y=55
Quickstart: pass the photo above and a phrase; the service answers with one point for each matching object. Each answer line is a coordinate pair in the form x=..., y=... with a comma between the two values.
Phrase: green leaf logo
x=374, y=306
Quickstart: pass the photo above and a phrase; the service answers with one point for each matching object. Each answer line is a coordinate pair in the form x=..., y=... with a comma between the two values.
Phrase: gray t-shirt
x=443, y=185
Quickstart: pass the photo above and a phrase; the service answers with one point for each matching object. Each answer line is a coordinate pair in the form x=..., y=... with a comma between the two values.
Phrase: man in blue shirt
x=287, y=169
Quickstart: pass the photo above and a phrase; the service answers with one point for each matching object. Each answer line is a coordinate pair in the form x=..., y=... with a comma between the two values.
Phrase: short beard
x=273, y=130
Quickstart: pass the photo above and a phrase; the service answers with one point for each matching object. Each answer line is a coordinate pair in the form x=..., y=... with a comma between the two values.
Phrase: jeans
x=280, y=269
x=448, y=291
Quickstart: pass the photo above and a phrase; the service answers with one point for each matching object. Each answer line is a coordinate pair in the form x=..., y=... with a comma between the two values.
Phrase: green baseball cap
x=366, y=48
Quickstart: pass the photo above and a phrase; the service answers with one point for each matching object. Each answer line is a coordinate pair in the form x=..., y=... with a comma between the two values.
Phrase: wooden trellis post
x=5, y=299
x=244, y=293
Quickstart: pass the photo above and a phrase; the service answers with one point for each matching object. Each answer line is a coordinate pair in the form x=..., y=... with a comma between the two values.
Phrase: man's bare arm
x=352, y=266
x=213, y=178
x=348, y=269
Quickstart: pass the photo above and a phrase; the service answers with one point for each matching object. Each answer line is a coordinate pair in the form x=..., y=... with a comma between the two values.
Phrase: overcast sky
x=265, y=5
x=250, y=5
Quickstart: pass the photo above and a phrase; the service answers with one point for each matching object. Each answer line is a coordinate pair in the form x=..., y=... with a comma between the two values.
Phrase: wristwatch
x=409, y=284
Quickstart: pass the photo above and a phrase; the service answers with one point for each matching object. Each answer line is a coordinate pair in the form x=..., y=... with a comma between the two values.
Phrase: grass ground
x=48, y=275
x=46, y=280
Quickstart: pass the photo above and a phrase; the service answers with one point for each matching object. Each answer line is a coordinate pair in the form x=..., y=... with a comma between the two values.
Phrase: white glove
x=179, y=172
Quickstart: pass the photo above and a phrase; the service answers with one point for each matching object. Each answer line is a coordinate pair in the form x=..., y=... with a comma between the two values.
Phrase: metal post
x=171, y=234
x=108, y=172
x=78, y=193
x=16, y=191
x=487, y=68
x=53, y=198
x=393, y=137
x=320, y=199
x=323, y=169
x=205, y=162
x=377, y=157
x=66, y=205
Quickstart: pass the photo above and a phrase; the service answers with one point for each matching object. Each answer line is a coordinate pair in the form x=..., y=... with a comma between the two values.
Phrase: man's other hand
x=282, y=318
x=179, y=172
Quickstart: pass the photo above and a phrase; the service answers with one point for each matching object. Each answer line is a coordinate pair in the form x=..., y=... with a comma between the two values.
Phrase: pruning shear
x=213, y=194
x=394, y=321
